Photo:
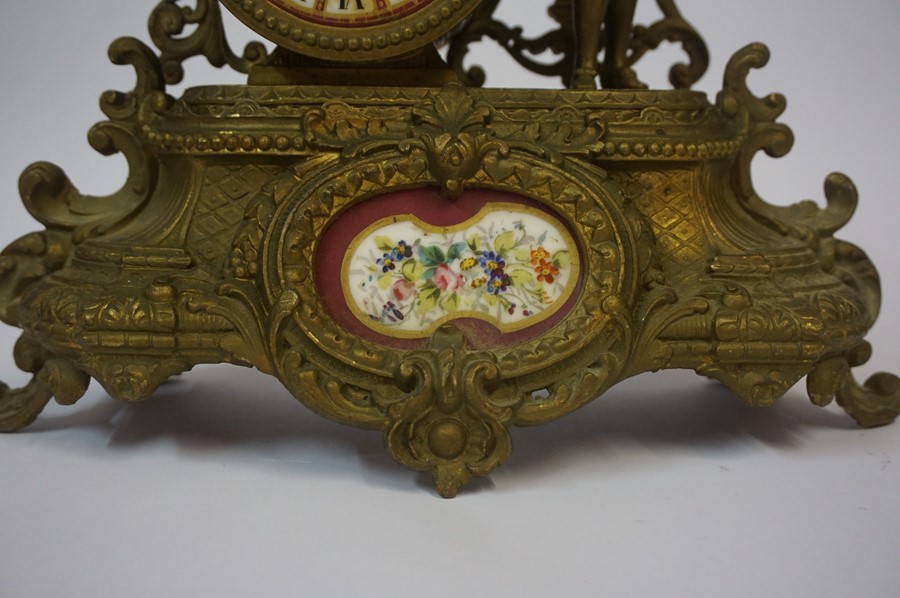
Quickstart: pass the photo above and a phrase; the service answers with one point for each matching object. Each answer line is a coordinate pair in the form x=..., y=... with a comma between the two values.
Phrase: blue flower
x=499, y=284
x=388, y=261
x=403, y=250
x=492, y=263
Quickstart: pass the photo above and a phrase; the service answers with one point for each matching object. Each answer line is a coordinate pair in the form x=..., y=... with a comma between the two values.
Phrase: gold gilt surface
x=355, y=30
x=207, y=253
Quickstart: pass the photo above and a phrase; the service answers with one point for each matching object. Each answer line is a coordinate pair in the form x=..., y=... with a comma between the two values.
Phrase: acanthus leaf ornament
x=447, y=411
x=454, y=137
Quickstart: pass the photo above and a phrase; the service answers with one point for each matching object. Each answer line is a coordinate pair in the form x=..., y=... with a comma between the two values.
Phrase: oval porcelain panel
x=510, y=265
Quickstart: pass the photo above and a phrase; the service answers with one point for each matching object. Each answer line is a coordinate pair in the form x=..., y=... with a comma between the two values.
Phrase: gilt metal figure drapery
x=222, y=246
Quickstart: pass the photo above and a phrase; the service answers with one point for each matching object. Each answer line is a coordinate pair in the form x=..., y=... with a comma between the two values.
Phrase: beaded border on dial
x=380, y=41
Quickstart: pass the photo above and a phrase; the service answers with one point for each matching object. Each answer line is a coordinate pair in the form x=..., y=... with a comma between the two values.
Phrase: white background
x=223, y=485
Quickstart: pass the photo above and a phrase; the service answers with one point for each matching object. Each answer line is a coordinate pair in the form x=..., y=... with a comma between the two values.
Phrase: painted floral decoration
x=512, y=268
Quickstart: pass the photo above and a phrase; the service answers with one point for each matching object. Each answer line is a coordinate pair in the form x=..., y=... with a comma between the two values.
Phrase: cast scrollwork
x=585, y=26
x=448, y=410
x=875, y=403
x=71, y=218
x=454, y=138
x=217, y=248
x=878, y=401
x=169, y=20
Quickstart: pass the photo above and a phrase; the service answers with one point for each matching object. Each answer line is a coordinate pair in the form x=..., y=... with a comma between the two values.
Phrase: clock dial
x=351, y=13
x=351, y=30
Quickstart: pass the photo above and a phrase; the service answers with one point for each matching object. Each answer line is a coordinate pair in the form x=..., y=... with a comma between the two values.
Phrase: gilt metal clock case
x=438, y=263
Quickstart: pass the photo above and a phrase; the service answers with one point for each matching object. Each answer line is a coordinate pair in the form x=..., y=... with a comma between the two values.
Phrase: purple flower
x=492, y=263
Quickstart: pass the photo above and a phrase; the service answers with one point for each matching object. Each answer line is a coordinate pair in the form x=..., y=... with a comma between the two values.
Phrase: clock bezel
x=359, y=43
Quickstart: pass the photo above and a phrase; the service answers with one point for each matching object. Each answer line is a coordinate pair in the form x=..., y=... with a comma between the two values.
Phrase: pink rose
x=447, y=280
x=403, y=289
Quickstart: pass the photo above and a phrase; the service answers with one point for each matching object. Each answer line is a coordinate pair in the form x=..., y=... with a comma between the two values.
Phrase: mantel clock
x=410, y=252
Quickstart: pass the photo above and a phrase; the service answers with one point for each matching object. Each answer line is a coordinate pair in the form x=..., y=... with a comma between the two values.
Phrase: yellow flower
x=468, y=263
x=478, y=282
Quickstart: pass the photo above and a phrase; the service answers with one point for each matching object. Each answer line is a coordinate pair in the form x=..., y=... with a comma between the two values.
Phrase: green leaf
x=425, y=304
x=431, y=255
x=413, y=269
x=428, y=300
x=522, y=255
x=473, y=242
x=450, y=302
x=455, y=251
x=385, y=280
x=562, y=260
x=521, y=276
x=505, y=242
x=384, y=243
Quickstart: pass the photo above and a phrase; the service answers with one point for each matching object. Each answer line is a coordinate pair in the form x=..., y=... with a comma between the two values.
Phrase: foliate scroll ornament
x=447, y=133
x=758, y=385
x=354, y=131
x=55, y=202
x=452, y=134
x=132, y=377
x=672, y=27
x=754, y=119
x=22, y=264
x=875, y=403
x=26, y=261
x=169, y=20
x=52, y=377
x=332, y=396
x=149, y=85
x=483, y=24
x=457, y=127
x=597, y=367
x=71, y=218
x=448, y=410
x=247, y=245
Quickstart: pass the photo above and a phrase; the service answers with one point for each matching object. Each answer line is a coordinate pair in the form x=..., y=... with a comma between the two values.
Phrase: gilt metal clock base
x=225, y=245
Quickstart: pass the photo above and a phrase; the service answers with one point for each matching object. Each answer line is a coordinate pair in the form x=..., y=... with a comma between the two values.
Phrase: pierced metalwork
x=169, y=20
x=562, y=42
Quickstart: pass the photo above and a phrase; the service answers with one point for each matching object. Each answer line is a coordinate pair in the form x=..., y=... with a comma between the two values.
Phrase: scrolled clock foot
x=874, y=403
x=53, y=377
x=21, y=406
